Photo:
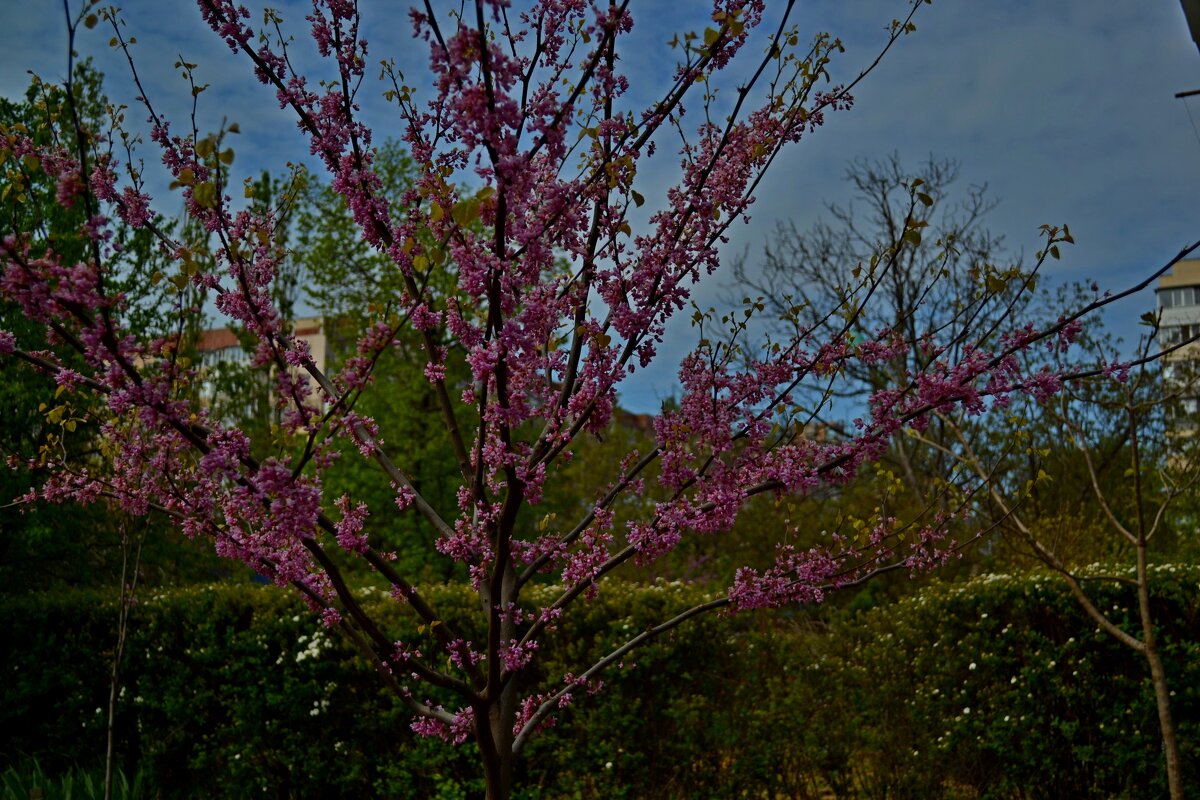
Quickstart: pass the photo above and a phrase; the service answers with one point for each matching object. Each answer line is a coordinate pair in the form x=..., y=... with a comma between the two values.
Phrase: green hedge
x=235, y=691
x=1002, y=687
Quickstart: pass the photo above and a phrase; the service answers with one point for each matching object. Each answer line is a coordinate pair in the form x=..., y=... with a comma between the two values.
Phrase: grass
x=26, y=780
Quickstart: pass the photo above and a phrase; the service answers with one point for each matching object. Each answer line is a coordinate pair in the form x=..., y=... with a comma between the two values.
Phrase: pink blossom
x=350, y=527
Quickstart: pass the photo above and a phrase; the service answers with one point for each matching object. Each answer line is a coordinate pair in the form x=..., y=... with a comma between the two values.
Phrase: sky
x=1064, y=108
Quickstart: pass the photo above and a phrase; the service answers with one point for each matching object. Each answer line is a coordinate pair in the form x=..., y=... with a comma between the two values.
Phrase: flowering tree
x=521, y=253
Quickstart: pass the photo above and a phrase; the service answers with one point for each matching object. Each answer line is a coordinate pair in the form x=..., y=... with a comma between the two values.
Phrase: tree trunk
x=494, y=737
x=1158, y=676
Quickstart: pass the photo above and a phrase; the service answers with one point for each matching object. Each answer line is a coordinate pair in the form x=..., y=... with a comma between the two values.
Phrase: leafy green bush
x=1002, y=687
x=995, y=688
x=235, y=691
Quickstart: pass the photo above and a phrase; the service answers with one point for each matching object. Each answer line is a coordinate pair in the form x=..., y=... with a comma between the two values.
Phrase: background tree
x=77, y=545
x=527, y=145
x=941, y=253
x=352, y=285
x=1117, y=426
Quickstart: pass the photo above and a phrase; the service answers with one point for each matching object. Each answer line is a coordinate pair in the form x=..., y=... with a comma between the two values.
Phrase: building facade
x=1179, y=324
x=220, y=348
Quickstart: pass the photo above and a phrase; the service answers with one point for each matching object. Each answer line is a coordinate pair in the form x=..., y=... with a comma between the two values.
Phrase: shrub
x=1002, y=687
x=995, y=688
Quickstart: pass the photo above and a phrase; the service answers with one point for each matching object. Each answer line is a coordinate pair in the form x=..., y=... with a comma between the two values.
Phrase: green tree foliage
x=232, y=389
x=72, y=544
x=352, y=286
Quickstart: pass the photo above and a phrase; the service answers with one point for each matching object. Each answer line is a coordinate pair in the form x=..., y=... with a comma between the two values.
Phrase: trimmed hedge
x=1002, y=687
x=236, y=691
x=994, y=688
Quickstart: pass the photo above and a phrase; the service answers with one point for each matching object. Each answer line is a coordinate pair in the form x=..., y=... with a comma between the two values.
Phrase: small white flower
x=971, y=666
x=608, y=765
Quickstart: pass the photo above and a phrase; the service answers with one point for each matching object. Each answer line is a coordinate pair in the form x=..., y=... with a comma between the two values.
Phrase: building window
x=225, y=355
x=1178, y=297
x=1174, y=334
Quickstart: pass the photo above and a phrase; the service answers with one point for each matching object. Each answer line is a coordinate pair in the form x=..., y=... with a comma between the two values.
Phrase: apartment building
x=218, y=347
x=1179, y=321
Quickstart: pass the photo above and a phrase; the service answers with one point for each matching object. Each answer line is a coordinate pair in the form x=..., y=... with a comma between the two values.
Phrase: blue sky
x=1064, y=108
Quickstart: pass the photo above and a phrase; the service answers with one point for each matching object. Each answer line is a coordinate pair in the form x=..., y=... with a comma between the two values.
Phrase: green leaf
x=465, y=212
x=638, y=200
x=205, y=195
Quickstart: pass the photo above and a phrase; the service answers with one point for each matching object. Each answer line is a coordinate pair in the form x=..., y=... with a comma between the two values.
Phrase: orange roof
x=216, y=339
